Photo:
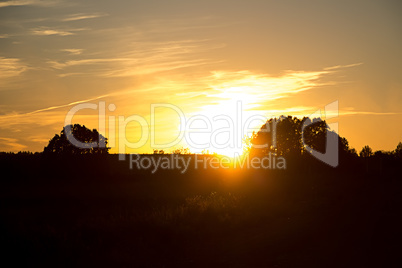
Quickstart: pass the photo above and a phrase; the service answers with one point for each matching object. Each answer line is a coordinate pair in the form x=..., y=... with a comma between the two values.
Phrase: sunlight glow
x=232, y=106
x=225, y=115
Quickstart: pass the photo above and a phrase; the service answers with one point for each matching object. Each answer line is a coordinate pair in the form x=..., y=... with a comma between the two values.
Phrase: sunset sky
x=204, y=57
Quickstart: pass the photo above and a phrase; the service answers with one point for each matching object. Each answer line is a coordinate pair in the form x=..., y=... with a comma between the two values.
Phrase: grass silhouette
x=91, y=211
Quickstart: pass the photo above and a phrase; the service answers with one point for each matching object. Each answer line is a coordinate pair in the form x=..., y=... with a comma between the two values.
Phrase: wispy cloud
x=11, y=145
x=258, y=92
x=14, y=115
x=354, y=112
x=44, y=31
x=70, y=63
x=141, y=58
x=256, y=89
x=29, y=3
x=309, y=110
x=343, y=66
x=11, y=67
x=156, y=68
x=82, y=16
x=72, y=74
x=73, y=51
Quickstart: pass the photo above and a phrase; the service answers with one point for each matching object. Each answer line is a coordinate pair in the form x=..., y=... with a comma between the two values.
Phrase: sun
x=231, y=152
x=218, y=127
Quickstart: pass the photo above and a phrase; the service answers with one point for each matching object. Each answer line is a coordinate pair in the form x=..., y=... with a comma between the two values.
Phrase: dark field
x=97, y=212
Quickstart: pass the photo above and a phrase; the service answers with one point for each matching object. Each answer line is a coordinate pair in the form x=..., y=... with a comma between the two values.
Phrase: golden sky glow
x=287, y=57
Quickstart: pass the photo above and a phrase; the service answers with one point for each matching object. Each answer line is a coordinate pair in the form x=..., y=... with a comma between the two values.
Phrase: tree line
x=284, y=136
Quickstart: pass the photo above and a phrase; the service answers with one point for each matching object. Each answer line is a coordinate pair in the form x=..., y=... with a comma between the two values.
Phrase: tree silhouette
x=181, y=151
x=279, y=136
x=291, y=136
x=91, y=140
x=398, y=150
x=366, y=152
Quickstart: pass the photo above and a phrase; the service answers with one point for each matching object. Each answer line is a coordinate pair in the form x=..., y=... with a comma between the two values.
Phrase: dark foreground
x=98, y=213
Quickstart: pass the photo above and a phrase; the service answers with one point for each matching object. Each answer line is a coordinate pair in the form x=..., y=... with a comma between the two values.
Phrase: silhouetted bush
x=92, y=141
